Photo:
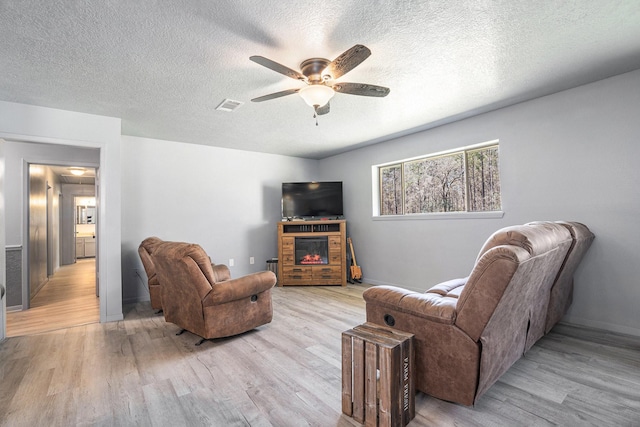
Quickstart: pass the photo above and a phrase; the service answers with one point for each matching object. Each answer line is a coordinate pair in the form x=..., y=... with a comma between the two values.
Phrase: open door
x=3, y=257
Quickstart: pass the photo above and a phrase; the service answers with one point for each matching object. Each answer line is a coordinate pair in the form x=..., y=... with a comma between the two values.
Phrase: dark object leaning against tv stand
x=331, y=272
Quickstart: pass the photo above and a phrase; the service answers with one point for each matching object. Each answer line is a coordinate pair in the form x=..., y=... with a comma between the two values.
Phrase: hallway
x=68, y=299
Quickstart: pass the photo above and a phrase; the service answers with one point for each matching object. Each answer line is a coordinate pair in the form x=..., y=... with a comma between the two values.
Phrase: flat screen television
x=312, y=199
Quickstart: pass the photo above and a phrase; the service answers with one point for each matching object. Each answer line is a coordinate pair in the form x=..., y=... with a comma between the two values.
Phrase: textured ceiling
x=164, y=66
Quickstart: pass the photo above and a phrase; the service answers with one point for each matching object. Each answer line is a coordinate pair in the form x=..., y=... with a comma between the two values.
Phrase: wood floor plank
x=164, y=406
x=530, y=383
x=12, y=373
x=68, y=362
x=204, y=410
x=288, y=373
x=60, y=409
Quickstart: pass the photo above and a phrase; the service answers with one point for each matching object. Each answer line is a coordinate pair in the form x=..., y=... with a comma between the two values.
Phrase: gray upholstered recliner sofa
x=469, y=331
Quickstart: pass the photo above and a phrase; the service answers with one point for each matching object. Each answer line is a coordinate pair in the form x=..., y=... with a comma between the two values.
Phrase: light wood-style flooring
x=68, y=299
x=137, y=372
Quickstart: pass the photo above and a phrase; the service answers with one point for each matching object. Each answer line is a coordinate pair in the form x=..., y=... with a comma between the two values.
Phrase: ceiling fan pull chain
x=315, y=115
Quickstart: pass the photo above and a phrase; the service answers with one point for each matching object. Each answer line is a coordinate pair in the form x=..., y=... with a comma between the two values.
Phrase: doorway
x=61, y=281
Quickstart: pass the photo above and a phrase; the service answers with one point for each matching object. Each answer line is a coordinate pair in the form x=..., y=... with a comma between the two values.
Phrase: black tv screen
x=311, y=199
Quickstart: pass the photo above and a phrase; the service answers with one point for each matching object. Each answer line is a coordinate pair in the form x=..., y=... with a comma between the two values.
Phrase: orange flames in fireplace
x=311, y=259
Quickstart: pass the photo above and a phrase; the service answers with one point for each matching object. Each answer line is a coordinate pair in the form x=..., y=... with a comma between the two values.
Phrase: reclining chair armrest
x=221, y=272
x=242, y=287
x=429, y=306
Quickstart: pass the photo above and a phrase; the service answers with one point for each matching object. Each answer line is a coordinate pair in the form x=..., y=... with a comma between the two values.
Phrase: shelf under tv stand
x=312, y=253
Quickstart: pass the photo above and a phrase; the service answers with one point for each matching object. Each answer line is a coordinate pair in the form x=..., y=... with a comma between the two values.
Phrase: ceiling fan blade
x=323, y=110
x=278, y=68
x=275, y=95
x=361, y=89
x=346, y=62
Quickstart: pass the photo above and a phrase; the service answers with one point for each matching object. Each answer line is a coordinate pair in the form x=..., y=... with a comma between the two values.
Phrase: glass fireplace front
x=312, y=250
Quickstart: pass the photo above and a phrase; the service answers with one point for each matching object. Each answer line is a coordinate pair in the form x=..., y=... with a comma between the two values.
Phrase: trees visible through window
x=483, y=180
x=391, y=190
x=463, y=181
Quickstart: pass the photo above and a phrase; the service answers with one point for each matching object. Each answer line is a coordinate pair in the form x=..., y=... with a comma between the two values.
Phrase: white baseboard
x=113, y=318
x=605, y=326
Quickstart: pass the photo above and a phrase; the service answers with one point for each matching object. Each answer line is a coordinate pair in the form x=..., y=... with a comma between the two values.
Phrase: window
x=464, y=180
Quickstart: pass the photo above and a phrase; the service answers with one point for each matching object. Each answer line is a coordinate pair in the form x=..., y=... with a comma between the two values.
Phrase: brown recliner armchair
x=203, y=299
x=146, y=250
x=469, y=331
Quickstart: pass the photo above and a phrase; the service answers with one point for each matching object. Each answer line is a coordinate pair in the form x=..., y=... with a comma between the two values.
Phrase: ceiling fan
x=320, y=74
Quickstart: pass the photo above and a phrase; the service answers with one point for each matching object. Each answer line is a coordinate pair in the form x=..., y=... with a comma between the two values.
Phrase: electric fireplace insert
x=311, y=250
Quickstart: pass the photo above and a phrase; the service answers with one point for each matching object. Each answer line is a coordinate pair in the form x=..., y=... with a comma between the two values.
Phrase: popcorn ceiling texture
x=163, y=67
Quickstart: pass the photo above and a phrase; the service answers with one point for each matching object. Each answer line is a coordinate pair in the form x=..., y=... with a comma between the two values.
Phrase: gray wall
x=568, y=156
x=38, y=182
x=227, y=201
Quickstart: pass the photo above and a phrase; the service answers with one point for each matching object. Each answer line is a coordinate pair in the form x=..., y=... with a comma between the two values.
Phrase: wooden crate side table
x=378, y=387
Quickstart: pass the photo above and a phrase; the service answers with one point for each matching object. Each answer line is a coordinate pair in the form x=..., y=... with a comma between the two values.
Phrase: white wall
x=569, y=156
x=227, y=201
x=47, y=126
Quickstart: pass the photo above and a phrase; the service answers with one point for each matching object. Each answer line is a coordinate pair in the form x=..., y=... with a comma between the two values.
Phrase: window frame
x=376, y=171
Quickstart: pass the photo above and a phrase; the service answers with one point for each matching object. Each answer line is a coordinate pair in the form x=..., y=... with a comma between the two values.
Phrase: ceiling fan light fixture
x=77, y=171
x=316, y=95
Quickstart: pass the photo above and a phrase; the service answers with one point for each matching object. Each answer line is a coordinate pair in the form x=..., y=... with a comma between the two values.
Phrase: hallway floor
x=68, y=299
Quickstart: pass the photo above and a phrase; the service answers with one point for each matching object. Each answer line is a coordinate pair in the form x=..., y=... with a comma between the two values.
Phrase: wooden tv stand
x=325, y=261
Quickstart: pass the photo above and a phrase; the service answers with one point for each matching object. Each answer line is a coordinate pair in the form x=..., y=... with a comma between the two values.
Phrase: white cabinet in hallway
x=85, y=246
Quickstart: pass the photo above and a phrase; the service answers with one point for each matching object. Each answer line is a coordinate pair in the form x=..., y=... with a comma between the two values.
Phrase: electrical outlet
x=252, y=260
x=231, y=262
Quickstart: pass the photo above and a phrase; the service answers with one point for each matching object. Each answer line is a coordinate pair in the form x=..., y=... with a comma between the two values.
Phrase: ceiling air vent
x=229, y=105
